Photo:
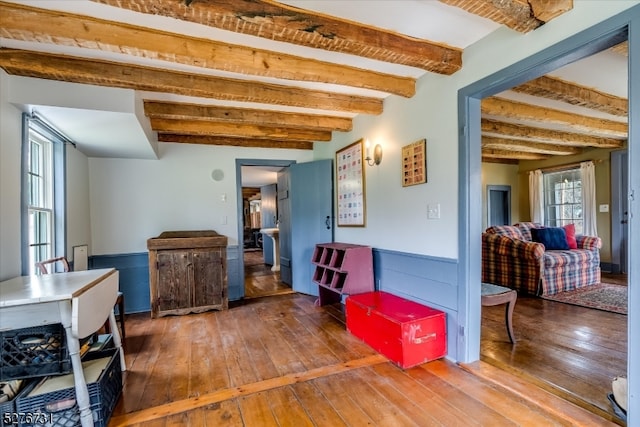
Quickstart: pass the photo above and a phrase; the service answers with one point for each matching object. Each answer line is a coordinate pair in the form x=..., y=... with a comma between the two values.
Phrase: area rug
x=604, y=296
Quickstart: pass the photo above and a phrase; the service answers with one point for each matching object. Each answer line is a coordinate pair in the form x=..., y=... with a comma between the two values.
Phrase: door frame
x=240, y=208
x=503, y=189
x=619, y=260
x=623, y=26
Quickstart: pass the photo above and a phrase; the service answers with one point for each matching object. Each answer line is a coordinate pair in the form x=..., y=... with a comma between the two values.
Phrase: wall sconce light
x=377, y=154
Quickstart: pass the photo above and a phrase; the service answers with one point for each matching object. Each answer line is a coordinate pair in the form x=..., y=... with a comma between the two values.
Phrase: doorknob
x=327, y=222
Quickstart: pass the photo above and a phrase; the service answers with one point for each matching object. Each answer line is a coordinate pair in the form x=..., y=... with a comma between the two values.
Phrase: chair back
x=42, y=265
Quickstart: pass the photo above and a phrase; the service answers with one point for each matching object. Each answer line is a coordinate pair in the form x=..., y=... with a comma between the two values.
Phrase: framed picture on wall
x=351, y=185
x=414, y=163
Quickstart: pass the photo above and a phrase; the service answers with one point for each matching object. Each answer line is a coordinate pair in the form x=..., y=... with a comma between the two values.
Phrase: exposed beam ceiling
x=277, y=21
x=519, y=15
x=263, y=89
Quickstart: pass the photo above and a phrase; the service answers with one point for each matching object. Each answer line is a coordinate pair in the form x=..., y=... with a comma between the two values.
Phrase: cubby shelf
x=342, y=269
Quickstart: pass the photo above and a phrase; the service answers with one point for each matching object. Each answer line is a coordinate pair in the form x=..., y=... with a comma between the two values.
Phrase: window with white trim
x=43, y=227
x=563, y=198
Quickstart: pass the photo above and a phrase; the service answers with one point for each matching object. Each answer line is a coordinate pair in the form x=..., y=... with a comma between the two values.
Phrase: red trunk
x=404, y=331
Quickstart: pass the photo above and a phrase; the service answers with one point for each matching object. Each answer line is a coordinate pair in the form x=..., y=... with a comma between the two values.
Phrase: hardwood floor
x=571, y=351
x=259, y=280
x=283, y=361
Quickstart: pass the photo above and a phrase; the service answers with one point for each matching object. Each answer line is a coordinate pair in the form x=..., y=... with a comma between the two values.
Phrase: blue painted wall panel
x=134, y=278
x=430, y=281
x=234, y=278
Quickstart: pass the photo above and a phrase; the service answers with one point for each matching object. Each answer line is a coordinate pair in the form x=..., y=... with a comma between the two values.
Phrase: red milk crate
x=404, y=331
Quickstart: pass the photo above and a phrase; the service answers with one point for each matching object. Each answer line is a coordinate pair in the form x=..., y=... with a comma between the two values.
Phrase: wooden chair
x=42, y=265
x=42, y=268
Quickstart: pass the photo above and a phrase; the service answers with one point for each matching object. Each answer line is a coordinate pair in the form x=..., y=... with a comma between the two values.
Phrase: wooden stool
x=496, y=295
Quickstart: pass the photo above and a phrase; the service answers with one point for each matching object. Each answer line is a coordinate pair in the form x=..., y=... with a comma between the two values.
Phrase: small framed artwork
x=351, y=185
x=414, y=163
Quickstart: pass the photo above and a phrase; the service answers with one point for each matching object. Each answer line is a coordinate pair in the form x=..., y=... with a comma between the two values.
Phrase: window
x=43, y=194
x=563, y=199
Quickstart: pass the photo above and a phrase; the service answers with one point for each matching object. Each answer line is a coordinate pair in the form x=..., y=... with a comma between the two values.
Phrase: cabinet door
x=174, y=273
x=208, y=278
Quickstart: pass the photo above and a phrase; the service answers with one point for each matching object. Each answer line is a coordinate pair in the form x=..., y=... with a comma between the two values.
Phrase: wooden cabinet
x=187, y=272
x=342, y=268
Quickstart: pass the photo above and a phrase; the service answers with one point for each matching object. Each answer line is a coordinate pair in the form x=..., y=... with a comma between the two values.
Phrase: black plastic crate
x=34, y=352
x=59, y=407
x=8, y=409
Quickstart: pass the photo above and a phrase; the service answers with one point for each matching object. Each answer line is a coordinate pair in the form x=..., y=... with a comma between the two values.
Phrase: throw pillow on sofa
x=553, y=238
x=570, y=229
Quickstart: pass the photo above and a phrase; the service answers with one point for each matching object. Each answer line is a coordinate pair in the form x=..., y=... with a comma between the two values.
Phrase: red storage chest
x=404, y=331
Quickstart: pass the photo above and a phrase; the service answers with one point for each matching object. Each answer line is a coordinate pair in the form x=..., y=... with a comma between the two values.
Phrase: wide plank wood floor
x=282, y=361
x=572, y=351
x=259, y=280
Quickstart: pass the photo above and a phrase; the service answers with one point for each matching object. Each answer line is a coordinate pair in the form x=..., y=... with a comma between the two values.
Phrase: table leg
x=82, y=393
x=116, y=337
x=508, y=313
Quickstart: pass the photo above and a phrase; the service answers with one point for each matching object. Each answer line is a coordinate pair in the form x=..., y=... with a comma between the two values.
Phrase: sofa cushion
x=554, y=259
x=505, y=230
x=525, y=229
x=570, y=229
x=553, y=238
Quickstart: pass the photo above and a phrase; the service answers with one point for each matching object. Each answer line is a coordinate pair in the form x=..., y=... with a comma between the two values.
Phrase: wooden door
x=208, y=278
x=311, y=193
x=284, y=224
x=174, y=280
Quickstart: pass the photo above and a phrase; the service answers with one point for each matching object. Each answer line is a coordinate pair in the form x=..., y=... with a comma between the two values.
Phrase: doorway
x=593, y=40
x=259, y=260
x=498, y=205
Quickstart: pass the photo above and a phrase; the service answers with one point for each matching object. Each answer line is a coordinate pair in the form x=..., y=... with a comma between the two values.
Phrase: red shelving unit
x=342, y=269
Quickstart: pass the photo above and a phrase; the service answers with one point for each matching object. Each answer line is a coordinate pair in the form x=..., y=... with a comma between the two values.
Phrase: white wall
x=78, y=208
x=10, y=159
x=134, y=200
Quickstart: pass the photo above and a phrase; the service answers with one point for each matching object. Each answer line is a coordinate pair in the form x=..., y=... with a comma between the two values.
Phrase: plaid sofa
x=511, y=259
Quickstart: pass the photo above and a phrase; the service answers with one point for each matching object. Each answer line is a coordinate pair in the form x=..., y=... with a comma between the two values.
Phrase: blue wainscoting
x=234, y=278
x=426, y=280
x=134, y=277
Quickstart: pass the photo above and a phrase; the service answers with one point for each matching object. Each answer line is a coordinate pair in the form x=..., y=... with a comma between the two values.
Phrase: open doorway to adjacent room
x=259, y=224
x=567, y=349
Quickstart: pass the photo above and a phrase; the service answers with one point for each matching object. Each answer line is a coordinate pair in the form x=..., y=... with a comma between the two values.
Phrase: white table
x=80, y=300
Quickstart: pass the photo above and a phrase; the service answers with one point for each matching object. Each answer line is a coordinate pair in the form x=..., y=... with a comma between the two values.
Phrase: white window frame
x=563, y=198
x=43, y=193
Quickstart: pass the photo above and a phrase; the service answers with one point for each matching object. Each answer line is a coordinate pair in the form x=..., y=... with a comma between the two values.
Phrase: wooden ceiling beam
x=504, y=108
x=535, y=134
x=237, y=130
x=62, y=28
x=503, y=161
x=527, y=146
x=113, y=74
x=234, y=142
x=174, y=110
x=512, y=155
x=284, y=23
x=571, y=93
x=518, y=15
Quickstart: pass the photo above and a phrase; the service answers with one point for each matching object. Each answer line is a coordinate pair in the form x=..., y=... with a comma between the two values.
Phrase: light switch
x=433, y=211
x=223, y=197
x=604, y=208
x=223, y=220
